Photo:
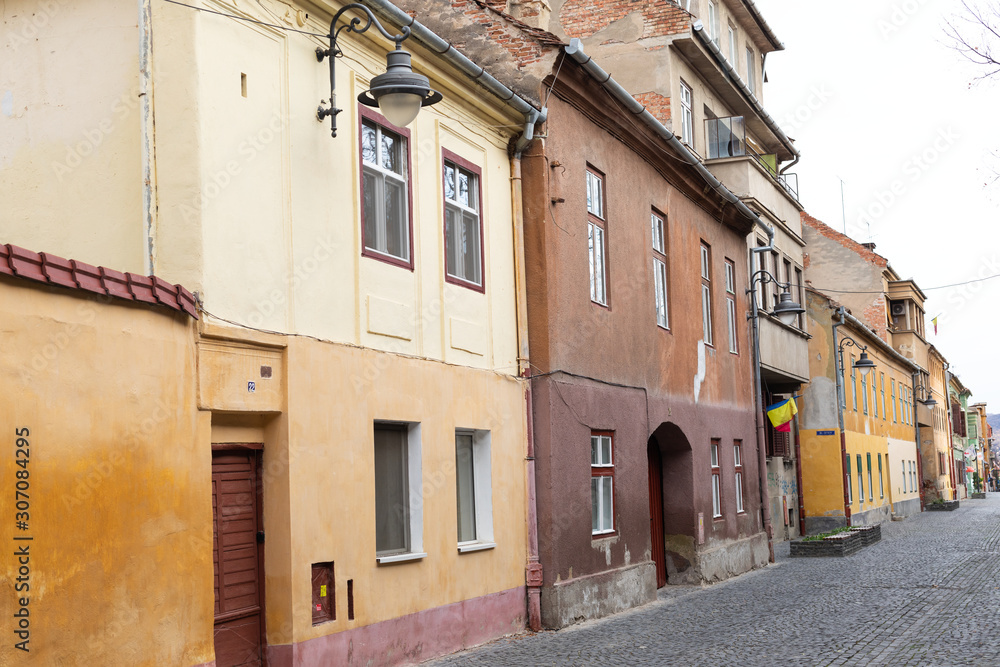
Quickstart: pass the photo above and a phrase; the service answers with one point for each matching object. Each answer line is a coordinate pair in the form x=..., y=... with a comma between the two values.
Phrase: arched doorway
x=671, y=501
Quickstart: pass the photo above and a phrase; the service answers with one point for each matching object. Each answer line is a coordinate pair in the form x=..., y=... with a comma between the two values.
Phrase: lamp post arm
x=358, y=25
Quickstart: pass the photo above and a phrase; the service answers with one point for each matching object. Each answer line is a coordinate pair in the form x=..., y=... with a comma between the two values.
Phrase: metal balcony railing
x=727, y=137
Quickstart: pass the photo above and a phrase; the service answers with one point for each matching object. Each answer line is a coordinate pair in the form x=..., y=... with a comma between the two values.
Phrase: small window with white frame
x=732, y=44
x=687, y=115
x=751, y=67
x=660, y=270
x=596, y=244
x=716, y=480
x=463, y=237
x=398, y=488
x=602, y=483
x=473, y=482
x=713, y=21
x=385, y=184
x=731, y=320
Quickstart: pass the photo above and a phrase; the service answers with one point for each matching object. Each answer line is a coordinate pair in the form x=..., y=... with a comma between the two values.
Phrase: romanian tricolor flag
x=934, y=322
x=781, y=414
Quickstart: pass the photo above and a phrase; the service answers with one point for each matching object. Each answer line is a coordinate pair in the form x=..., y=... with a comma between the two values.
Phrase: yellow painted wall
x=319, y=486
x=121, y=562
x=874, y=497
x=70, y=177
x=288, y=256
x=822, y=473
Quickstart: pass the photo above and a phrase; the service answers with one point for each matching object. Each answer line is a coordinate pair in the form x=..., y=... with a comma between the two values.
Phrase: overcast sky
x=873, y=95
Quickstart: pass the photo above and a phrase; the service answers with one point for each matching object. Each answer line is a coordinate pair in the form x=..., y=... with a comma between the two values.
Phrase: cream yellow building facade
x=367, y=374
x=857, y=431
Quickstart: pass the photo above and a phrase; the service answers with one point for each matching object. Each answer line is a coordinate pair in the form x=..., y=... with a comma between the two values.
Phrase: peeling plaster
x=700, y=377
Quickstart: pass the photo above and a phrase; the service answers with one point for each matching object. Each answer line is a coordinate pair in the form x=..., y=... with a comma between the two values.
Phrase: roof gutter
x=575, y=51
x=699, y=30
x=450, y=54
x=775, y=42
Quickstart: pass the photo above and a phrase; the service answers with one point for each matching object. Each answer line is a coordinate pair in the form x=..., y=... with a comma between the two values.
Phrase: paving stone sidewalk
x=928, y=594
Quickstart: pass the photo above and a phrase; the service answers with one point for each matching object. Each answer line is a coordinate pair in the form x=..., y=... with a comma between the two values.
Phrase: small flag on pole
x=934, y=322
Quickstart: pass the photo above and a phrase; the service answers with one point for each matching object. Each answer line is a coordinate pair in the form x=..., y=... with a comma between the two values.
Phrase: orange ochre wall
x=118, y=567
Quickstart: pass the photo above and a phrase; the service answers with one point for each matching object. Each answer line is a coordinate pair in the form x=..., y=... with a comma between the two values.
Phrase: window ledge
x=399, y=558
x=475, y=546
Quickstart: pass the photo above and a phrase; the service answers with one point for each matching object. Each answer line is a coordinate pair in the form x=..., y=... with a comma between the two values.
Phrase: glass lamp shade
x=864, y=364
x=787, y=310
x=400, y=109
x=400, y=92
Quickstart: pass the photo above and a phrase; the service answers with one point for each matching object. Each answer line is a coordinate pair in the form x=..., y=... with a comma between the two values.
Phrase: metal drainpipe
x=146, y=138
x=841, y=406
x=765, y=501
x=533, y=569
x=914, y=376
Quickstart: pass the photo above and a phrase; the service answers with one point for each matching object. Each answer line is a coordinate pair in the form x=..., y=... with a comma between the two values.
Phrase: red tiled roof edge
x=52, y=270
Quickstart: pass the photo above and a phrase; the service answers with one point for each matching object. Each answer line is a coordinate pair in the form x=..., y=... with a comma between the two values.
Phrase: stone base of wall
x=978, y=496
x=906, y=508
x=946, y=506
x=732, y=558
x=823, y=524
x=877, y=515
x=598, y=595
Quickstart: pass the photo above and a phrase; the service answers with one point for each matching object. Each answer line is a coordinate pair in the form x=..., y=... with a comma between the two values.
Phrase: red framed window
x=716, y=481
x=706, y=293
x=602, y=483
x=387, y=205
x=596, y=233
x=660, y=269
x=731, y=321
x=738, y=467
x=463, y=223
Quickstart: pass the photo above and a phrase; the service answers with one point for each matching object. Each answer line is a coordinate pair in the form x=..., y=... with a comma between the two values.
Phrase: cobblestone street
x=927, y=594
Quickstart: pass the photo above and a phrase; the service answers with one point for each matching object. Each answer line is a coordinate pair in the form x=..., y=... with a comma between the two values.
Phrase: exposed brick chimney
x=869, y=246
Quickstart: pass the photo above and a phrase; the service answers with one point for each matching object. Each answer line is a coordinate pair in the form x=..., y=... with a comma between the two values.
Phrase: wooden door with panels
x=238, y=551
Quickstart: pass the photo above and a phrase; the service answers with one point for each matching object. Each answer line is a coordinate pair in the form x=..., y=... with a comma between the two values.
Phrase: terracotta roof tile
x=69, y=273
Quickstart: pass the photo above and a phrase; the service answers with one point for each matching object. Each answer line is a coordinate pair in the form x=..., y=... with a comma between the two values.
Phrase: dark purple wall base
x=413, y=638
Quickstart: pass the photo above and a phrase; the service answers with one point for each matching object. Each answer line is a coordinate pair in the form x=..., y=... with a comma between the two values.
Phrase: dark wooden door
x=655, y=462
x=236, y=521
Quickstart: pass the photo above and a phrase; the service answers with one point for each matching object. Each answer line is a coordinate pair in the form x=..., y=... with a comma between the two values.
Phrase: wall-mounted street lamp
x=786, y=311
x=399, y=93
x=865, y=365
x=929, y=401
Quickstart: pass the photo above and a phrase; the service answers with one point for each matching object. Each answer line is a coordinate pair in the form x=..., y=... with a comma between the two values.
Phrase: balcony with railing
x=726, y=138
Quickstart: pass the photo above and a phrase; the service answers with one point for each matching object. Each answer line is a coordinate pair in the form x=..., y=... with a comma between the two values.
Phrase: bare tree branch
x=975, y=34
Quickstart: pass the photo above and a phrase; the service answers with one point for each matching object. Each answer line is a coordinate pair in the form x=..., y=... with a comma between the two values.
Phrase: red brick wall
x=525, y=44
x=846, y=241
x=583, y=18
x=656, y=104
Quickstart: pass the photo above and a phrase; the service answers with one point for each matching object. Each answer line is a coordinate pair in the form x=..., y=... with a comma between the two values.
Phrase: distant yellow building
x=860, y=463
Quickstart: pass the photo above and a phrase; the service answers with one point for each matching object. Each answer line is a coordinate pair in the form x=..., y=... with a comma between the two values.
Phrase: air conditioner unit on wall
x=898, y=309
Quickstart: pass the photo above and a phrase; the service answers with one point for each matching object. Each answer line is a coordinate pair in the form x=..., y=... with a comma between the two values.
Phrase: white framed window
x=716, y=481
x=738, y=467
x=713, y=21
x=882, y=392
x=854, y=384
x=750, y=71
x=732, y=45
x=687, y=115
x=595, y=238
x=398, y=488
x=463, y=243
x=706, y=293
x=473, y=484
x=903, y=463
x=660, y=270
x=731, y=305
x=874, y=395
x=385, y=190
x=602, y=483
